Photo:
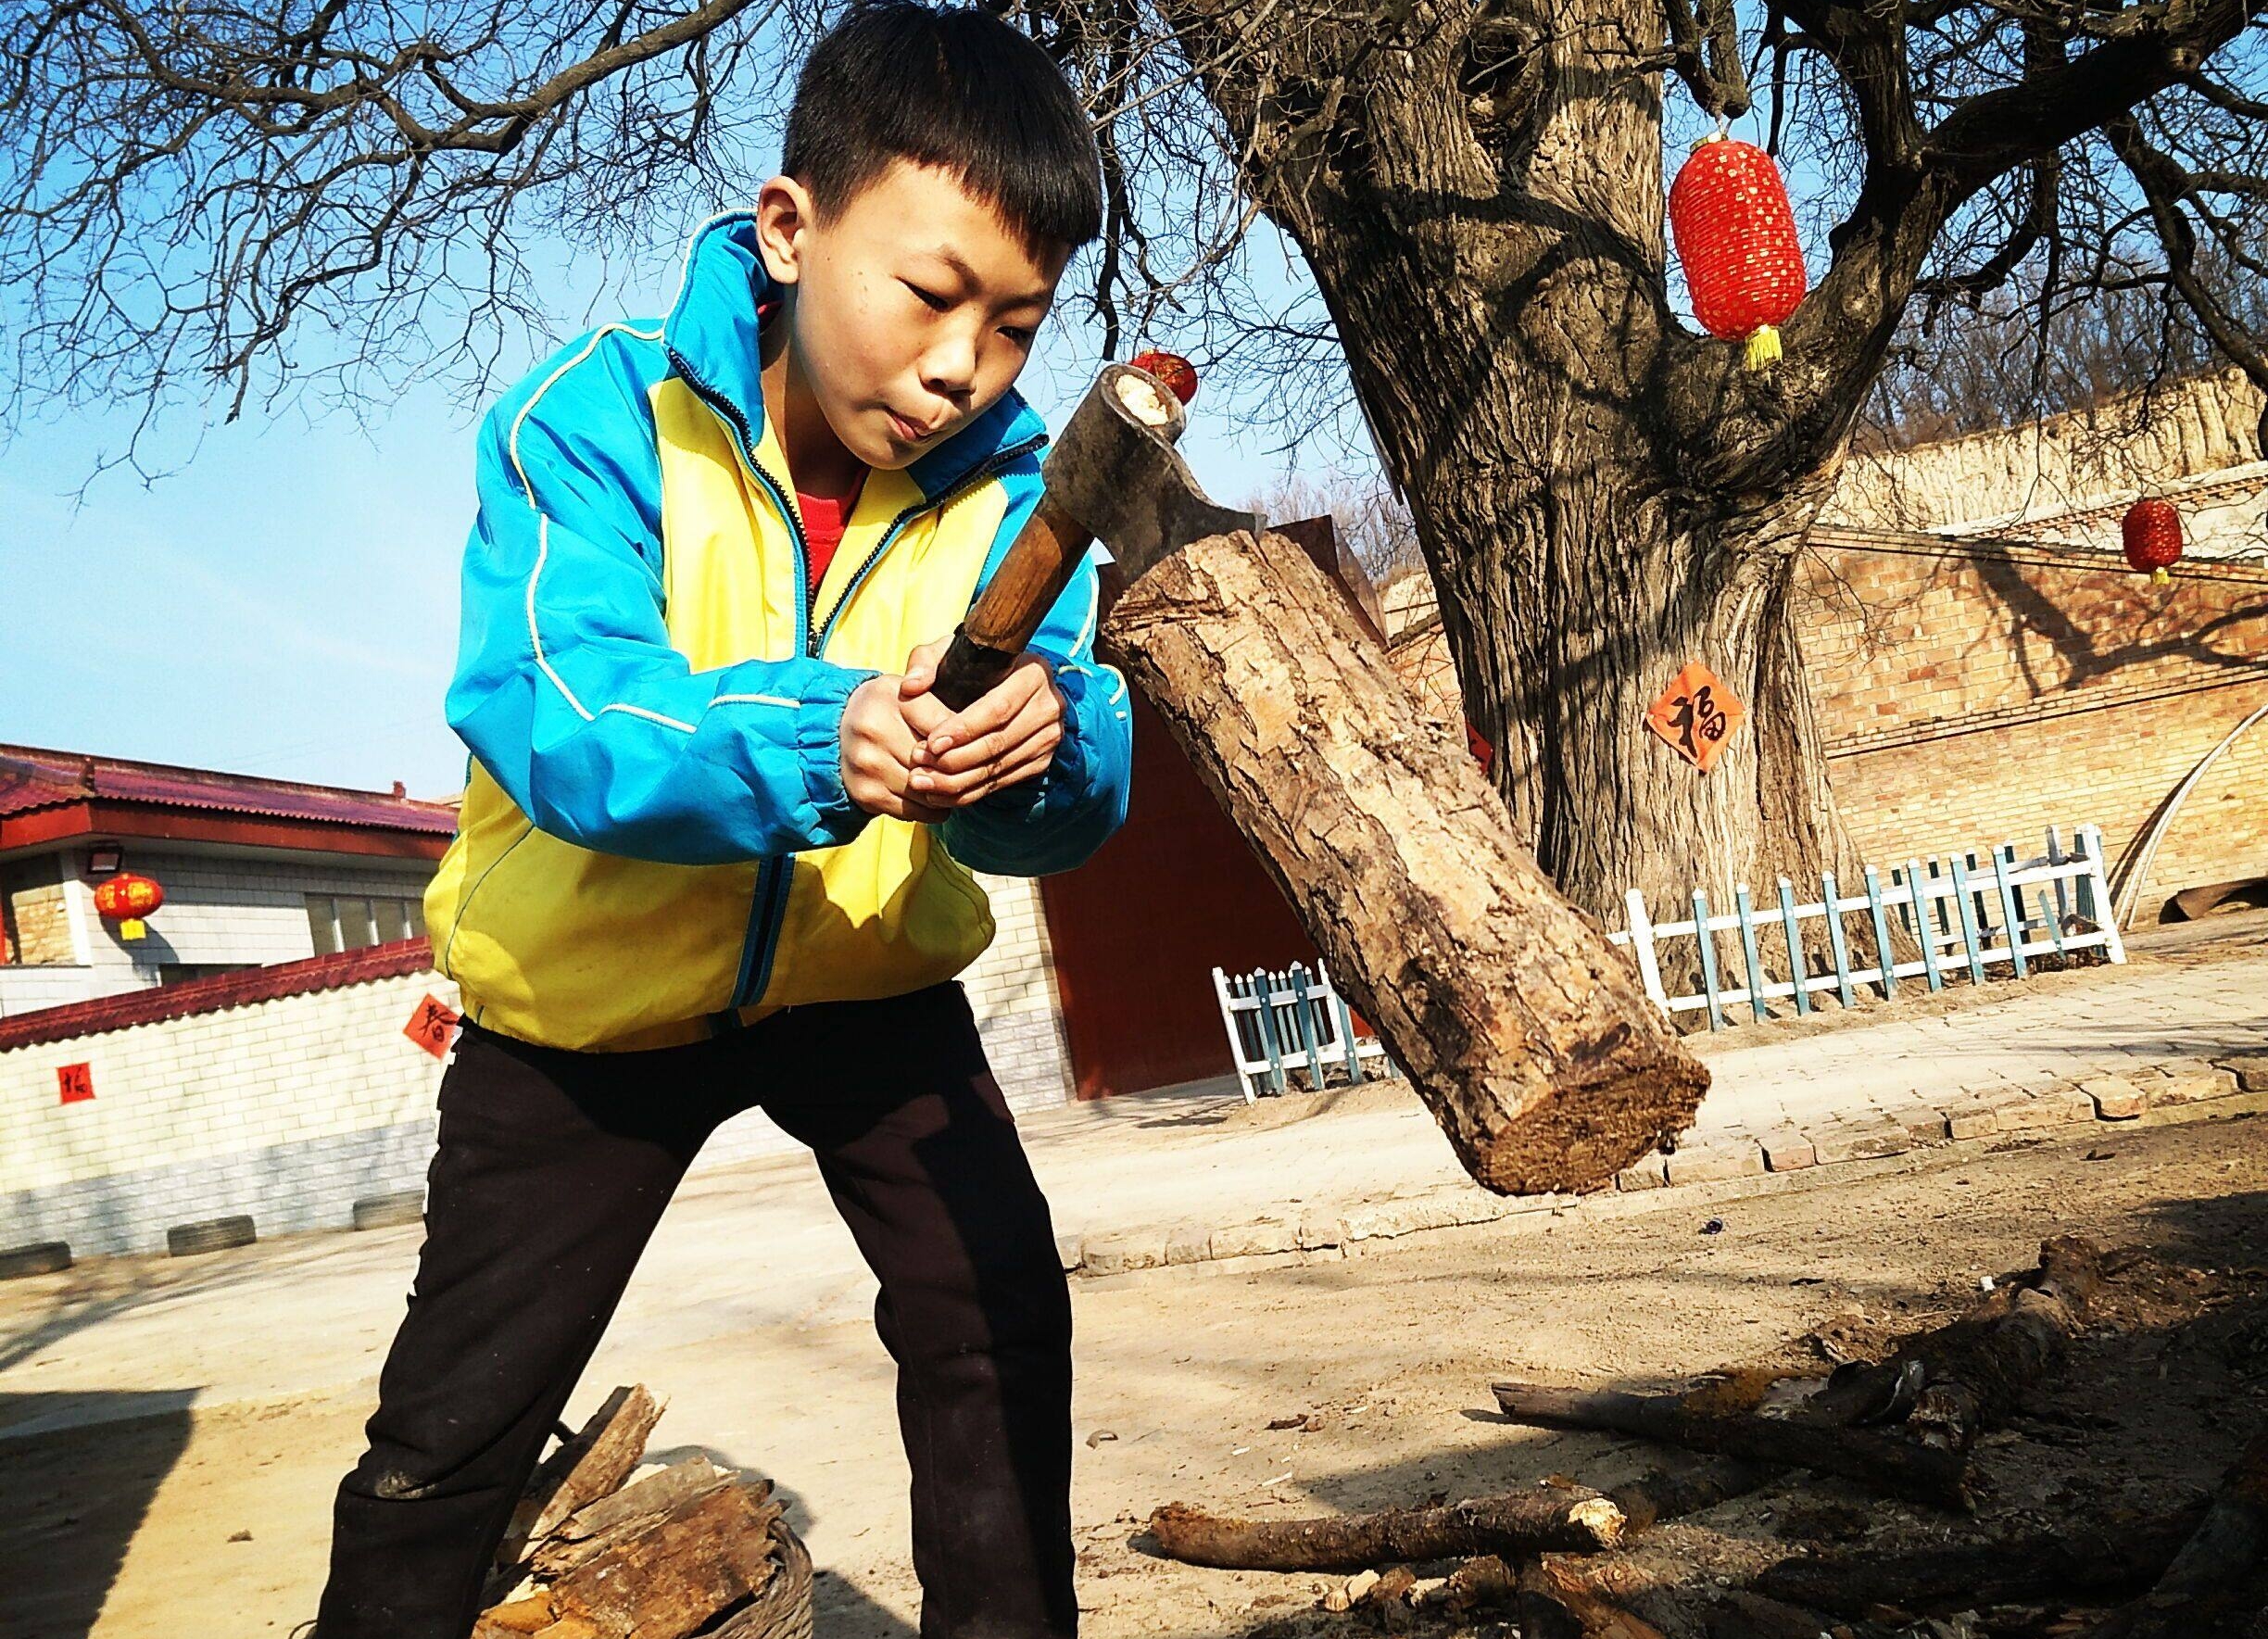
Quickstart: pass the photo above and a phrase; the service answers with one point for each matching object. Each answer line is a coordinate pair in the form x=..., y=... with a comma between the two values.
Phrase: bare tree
x=1371, y=521
x=1601, y=493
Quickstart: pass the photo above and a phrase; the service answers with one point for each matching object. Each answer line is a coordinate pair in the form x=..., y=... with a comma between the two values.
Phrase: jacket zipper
x=773, y=875
x=754, y=984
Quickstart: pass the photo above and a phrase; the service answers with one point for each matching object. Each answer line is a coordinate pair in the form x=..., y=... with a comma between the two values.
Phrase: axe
x=1523, y=1031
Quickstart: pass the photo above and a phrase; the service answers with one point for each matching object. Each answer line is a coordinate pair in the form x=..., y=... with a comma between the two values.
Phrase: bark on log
x=672, y=1578
x=1525, y=1033
x=585, y=1468
x=1515, y=1523
x=1898, y=1465
x=1555, y=1604
x=1673, y=1494
x=1967, y=1375
x=2218, y=1581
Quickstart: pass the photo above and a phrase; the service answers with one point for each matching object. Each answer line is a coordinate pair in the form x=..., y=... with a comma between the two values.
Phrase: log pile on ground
x=601, y=1549
x=1562, y=1561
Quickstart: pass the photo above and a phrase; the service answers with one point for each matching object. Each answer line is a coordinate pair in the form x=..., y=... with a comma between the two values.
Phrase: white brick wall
x=237, y=908
x=318, y=1064
x=292, y=1109
x=1012, y=990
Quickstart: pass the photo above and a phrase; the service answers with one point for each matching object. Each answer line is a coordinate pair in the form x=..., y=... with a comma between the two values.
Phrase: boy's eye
x=1021, y=335
x=929, y=296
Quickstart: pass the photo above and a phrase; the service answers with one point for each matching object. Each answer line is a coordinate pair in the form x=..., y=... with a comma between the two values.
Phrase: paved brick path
x=2101, y=1045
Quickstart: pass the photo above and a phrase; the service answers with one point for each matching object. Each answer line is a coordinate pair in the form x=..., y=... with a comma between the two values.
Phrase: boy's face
x=915, y=309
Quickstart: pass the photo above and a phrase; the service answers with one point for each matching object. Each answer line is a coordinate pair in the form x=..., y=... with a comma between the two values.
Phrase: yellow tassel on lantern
x=131, y=928
x=2159, y=577
x=1763, y=347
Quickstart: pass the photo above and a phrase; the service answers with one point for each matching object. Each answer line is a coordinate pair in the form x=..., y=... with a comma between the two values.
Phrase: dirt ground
x=212, y=1525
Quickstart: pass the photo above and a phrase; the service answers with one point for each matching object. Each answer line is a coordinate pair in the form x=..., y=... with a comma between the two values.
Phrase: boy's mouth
x=910, y=432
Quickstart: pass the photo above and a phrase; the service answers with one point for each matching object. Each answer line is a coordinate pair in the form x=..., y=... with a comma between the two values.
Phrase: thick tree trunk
x=1481, y=202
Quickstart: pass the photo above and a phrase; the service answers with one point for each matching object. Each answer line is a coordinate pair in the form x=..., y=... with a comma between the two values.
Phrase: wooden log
x=1523, y=1031
x=1952, y=1384
x=584, y=1468
x=2217, y=1583
x=1672, y=1493
x=1480, y=1583
x=1515, y=1523
x=1556, y=1604
x=591, y=1531
x=671, y=1579
x=1901, y=1466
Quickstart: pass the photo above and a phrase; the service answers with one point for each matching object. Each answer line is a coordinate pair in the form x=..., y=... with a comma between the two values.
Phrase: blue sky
x=284, y=602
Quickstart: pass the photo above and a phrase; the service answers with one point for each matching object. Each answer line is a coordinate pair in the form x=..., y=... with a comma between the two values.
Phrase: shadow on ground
x=46, y=1520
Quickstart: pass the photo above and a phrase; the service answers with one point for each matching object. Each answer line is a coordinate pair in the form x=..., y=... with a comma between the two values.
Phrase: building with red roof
x=253, y=872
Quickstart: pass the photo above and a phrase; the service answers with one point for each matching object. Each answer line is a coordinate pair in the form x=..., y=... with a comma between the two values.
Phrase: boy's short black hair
x=961, y=90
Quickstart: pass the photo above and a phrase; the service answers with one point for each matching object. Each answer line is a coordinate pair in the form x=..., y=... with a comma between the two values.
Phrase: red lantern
x=1736, y=236
x=2152, y=531
x=1177, y=374
x=126, y=899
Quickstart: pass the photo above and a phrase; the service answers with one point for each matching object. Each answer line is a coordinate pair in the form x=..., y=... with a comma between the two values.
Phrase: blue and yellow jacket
x=655, y=843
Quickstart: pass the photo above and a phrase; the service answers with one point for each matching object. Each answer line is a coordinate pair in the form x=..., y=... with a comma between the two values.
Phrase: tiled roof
x=210, y=995
x=31, y=779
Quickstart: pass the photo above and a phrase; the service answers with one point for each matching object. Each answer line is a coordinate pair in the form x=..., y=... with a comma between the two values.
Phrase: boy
x=715, y=847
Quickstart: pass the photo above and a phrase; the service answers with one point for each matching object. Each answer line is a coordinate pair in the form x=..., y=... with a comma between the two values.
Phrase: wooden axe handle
x=1040, y=564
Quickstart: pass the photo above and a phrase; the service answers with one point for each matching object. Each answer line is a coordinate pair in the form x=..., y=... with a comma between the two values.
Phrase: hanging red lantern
x=126, y=899
x=1176, y=373
x=1735, y=235
x=2153, y=537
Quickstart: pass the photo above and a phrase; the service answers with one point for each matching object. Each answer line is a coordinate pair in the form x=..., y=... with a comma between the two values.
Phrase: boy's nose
x=949, y=369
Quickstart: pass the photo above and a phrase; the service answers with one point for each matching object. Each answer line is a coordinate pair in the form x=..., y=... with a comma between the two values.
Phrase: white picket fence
x=1292, y=1022
x=1967, y=917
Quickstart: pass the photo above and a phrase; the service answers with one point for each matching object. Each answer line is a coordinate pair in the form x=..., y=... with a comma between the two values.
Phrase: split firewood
x=2002, y=1568
x=1555, y=1604
x=1898, y=1466
x=585, y=1468
x=1515, y=1523
x=1480, y=1583
x=2218, y=1581
x=1950, y=1385
x=590, y=1532
x=700, y=1557
x=687, y=1549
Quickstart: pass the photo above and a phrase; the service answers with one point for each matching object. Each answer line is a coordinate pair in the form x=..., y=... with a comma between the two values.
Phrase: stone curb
x=1727, y=1165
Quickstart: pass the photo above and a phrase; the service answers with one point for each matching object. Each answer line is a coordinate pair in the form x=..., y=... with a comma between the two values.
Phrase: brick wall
x=1977, y=693
x=41, y=925
x=289, y=1107
x=1974, y=693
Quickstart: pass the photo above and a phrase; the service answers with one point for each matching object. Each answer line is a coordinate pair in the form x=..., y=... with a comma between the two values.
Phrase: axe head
x=1115, y=470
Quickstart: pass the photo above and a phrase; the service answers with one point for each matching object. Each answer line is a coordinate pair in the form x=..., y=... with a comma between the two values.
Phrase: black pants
x=552, y=1171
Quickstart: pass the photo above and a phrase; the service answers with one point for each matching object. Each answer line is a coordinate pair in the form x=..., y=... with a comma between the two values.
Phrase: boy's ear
x=783, y=211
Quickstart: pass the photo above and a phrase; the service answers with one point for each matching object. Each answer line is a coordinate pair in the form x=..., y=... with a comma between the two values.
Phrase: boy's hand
x=1003, y=738
x=878, y=745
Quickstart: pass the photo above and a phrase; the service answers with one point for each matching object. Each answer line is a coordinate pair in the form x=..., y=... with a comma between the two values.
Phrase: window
x=336, y=924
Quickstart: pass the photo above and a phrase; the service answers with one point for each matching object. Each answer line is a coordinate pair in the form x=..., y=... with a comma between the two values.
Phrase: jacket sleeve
x=567, y=689
x=1056, y=821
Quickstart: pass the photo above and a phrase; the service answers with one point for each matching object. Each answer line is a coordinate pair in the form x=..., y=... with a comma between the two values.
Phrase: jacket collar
x=712, y=337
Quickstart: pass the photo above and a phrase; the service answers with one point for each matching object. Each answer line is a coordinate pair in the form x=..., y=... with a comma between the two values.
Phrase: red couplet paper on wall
x=76, y=1083
x=432, y=1026
x=1696, y=715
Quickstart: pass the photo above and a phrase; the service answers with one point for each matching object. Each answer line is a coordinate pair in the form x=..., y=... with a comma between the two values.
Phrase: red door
x=1138, y=931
